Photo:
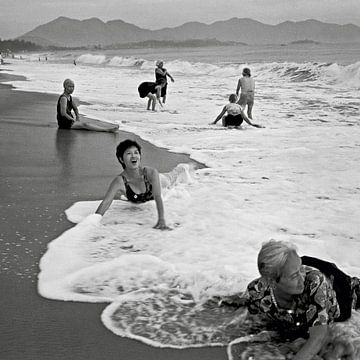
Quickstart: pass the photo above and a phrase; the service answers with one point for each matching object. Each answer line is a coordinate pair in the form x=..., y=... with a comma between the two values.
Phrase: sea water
x=297, y=179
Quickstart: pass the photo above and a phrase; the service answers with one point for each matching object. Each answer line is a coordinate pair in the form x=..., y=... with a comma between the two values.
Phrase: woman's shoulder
x=119, y=179
x=150, y=172
x=313, y=274
x=257, y=288
x=315, y=279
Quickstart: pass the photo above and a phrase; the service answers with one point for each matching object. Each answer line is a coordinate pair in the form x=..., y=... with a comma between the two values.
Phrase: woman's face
x=293, y=276
x=132, y=157
x=69, y=87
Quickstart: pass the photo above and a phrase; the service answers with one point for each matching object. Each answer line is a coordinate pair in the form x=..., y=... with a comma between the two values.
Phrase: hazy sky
x=20, y=16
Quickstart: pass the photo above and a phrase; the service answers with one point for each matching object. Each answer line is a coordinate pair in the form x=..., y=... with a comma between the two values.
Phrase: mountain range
x=66, y=32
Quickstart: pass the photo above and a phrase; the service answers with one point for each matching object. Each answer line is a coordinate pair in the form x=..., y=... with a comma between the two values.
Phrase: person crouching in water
x=152, y=91
x=235, y=114
x=138, y=183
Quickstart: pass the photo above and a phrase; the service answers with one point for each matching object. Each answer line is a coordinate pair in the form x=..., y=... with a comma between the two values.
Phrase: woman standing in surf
x=138, y=183
x=161, y=75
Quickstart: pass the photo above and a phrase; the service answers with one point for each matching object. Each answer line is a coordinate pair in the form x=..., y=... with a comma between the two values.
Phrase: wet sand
x=43, y=171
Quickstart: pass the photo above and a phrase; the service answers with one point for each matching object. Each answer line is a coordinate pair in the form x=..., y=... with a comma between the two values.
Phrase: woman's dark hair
x=233, y=98
x=123, y=146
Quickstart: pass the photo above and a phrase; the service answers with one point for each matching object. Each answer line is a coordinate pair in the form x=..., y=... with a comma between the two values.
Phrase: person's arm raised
x=154, y=179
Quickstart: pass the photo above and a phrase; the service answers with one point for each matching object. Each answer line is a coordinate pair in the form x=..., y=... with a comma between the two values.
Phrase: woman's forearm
x=102, y=207
x=160, y=207
x=317, y=339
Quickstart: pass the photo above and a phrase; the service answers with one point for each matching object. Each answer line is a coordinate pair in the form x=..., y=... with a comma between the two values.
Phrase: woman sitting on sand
x=235, y=114
x=139, y=184
x=67, y=120
x=300, y=297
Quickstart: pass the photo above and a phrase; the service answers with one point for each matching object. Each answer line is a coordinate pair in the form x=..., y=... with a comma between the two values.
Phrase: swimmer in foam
x=68, y=114
x=138, y=183
x=235, y=115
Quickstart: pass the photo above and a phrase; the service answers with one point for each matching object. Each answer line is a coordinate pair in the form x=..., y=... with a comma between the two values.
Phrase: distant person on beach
x=152, y=91
x=247, y=86
x=138, y=183
x=235, y=114
x=68, y=114
x=161, y=75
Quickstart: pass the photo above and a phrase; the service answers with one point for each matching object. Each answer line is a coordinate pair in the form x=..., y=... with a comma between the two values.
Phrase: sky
x=20, y=16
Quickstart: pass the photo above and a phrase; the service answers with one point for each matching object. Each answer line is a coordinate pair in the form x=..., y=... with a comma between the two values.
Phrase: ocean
x=297, y=179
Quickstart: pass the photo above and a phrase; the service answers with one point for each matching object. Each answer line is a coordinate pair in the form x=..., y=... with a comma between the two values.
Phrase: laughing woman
x=138, y=183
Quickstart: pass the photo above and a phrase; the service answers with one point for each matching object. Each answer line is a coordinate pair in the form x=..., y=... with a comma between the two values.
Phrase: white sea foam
x=297, y=179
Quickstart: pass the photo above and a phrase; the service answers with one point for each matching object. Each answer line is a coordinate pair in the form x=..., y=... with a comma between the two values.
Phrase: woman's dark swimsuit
x=63, y=122
x=233, y=120
x=161, y=80
x=139, y=198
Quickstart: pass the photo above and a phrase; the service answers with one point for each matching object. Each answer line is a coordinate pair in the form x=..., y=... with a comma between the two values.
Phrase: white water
x=298, y=179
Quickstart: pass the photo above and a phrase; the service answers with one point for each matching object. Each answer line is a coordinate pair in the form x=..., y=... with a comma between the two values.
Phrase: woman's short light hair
x=272, y=258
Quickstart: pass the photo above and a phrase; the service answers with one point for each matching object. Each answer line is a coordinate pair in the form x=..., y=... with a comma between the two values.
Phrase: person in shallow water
x=299, y=297
x=149, y=89
x=235, y=114
x=138, y=183
x=161, y=75
x=68, y=114
x=247, y=86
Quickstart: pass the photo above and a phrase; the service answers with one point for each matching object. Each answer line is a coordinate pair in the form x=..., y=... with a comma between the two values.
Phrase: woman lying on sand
x=299, y=298
x=138, y=183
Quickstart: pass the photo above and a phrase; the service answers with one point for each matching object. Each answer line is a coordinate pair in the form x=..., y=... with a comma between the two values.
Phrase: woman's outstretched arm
x=116, y=185
x=156, y=189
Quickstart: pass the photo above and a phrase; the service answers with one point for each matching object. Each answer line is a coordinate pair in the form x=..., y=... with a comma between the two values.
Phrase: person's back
x=233, y=108
x=247, y=85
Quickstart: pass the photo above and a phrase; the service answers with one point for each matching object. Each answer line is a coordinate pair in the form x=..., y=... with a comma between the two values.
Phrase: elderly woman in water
x=138, y=183
x=299, y=297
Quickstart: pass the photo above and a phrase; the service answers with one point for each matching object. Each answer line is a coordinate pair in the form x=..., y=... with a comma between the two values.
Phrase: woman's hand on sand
x=212, y=123
x=258, y=126
x=93, y=219
x=161, y=225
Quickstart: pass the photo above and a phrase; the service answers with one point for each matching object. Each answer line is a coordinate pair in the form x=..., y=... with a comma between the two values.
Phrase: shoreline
x=44, y=171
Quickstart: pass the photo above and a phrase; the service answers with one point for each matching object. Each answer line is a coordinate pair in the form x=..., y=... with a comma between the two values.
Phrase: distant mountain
x=67, y=32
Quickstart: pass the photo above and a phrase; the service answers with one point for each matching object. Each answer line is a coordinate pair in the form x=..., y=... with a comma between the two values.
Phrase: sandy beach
x=43, y=172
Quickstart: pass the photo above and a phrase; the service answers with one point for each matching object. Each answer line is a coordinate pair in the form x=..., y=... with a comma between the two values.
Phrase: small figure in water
x=68, y=114
x=149, y=89
x=247, y=86
x=235, y=114
x=161, y=75
x=138, y=183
